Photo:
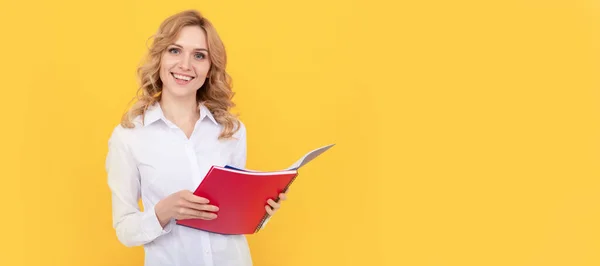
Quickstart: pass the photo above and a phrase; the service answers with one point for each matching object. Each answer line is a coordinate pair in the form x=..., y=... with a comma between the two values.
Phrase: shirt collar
x=205, y=112
x=155, y=113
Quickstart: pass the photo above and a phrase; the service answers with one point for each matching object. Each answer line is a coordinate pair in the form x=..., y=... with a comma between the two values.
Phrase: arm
x=238, y=158
x=133, y=227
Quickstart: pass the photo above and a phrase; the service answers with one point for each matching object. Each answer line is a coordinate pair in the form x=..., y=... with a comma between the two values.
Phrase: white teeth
x=186, y=78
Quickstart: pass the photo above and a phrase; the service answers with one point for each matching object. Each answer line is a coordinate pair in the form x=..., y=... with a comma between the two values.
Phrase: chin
x=180, y=92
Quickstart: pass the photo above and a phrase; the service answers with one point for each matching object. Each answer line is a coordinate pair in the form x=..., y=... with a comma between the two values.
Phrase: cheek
x=202, y=69
x=167, y=63
x=165, y=75
x=165, y=69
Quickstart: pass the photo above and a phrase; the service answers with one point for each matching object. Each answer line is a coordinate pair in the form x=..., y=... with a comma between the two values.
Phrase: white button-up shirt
x=156, y=159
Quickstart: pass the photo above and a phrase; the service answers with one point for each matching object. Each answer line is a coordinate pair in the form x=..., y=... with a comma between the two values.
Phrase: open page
x=301, y=162
x=309, y=156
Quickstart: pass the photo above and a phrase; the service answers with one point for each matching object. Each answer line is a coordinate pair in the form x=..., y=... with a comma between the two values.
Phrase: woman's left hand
x=273, y=206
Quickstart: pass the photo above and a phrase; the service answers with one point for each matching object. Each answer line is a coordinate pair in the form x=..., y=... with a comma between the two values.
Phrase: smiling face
x=185, y=63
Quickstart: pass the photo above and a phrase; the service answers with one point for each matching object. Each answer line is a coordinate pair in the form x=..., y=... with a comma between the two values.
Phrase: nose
x=184, y=64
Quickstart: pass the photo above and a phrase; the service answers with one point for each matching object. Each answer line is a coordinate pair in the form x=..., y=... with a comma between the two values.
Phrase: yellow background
x=467, y=132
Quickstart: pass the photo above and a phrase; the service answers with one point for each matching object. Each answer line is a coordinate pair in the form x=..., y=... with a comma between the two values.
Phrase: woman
x=178, y=128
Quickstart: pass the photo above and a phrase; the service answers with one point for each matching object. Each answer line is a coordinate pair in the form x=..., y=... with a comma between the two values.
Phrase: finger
x=202, y=207
x=207, y=215
x=273, y=204
x=196, y=199
x=195, y=214
x=269, y=210
x=282, y=196
x=183, y=203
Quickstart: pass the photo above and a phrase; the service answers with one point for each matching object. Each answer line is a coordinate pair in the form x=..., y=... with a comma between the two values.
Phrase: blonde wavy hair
x=216, y=93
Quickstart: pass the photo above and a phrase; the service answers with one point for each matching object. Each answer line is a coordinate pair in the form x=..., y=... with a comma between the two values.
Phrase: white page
x=309, y=157
x=302, y=161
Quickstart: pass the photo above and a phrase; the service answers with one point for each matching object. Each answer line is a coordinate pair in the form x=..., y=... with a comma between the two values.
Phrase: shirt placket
x=193, y=160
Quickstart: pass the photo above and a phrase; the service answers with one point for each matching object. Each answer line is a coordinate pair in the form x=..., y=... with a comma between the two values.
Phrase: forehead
x=191, y=37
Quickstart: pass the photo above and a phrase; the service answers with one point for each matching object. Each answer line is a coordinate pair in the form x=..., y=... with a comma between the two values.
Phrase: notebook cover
x=241, y=197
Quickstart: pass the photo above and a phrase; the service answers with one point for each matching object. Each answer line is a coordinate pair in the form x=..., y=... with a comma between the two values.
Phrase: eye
x=173, y=50
x=200, y=56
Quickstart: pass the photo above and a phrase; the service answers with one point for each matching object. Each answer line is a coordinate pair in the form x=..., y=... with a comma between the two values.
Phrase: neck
x=180, y=110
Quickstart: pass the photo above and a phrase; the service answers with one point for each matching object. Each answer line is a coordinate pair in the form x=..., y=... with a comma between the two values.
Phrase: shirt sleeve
x=238, y=159
x=133, y=227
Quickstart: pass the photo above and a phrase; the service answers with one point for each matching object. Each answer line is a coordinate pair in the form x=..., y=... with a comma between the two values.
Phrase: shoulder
x=118, y=135
x=121, y=135
x=239, y=129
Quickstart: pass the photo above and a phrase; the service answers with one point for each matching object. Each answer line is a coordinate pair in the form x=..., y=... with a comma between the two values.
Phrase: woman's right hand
x=184, y=205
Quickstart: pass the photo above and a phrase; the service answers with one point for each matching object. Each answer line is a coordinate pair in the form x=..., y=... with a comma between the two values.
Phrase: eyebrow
x=197, y=49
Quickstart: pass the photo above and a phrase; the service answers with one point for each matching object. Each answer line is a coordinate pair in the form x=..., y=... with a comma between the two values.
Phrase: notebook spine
x=262, y=221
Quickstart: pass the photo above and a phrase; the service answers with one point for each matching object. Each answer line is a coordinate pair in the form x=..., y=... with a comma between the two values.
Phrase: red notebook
x=242, y=195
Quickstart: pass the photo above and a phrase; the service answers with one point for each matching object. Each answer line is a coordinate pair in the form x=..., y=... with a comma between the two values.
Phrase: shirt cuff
x=152, y=226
